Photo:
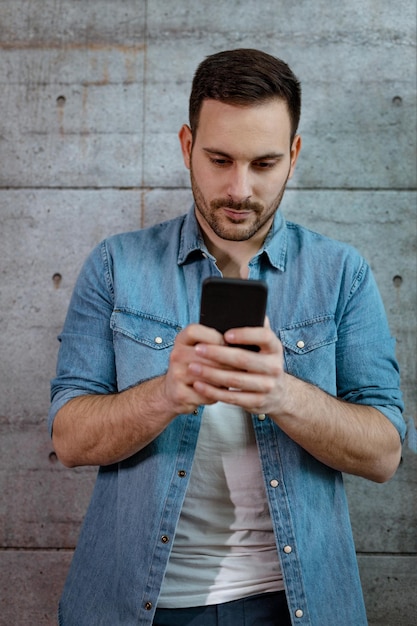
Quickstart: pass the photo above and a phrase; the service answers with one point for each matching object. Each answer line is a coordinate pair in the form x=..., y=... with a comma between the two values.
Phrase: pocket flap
x=146, y=329
x=309, y=335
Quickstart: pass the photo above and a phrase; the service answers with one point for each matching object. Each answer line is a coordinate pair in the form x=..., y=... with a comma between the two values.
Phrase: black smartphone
x=233, y=303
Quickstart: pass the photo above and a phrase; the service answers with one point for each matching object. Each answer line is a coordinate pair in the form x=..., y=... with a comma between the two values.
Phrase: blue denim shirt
x=135, y=293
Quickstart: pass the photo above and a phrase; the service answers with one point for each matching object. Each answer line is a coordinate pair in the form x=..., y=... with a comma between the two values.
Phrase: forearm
x=105, y=429
x=352, y=438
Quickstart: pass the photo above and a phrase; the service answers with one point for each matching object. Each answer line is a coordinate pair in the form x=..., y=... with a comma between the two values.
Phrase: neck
x=231, y=265
x=232, y=257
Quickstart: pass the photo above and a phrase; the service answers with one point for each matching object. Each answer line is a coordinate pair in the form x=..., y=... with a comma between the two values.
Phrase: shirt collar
x=274, y=248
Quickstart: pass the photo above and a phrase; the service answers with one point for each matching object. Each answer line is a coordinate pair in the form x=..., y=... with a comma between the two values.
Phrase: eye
x=219, y=161
x=264, y=165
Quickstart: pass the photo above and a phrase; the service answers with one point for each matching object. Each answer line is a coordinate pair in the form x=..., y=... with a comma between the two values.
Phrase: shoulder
x=134, y=249
x=157, y=232
x=322, y=259
x=318, y=246
x=144, y=244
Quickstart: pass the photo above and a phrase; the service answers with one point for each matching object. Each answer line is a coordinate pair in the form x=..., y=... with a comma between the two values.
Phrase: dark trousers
x=267, y=609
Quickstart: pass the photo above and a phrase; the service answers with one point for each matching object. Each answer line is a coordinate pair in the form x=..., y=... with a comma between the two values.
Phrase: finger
x=231, y=379
x=251, y=402
x=263, y=337
x=226, y=358
x=197, y=333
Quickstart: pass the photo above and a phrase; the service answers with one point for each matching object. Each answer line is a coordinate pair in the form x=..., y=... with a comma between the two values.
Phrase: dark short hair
x=244, y=77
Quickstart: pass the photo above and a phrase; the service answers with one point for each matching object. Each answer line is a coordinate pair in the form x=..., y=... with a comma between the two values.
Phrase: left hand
x=351, y=438
x=255, y=381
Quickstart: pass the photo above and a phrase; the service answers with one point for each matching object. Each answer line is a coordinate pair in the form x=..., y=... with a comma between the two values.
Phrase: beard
x=234, y=228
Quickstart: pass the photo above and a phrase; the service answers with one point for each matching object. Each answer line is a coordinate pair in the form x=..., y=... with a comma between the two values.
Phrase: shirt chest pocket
x=310, y=351
x=142, y=345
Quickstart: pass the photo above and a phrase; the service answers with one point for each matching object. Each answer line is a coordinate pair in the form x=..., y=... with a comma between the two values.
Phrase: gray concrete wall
x=92, y=95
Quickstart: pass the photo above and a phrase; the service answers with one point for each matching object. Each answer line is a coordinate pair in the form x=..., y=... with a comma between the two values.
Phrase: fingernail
x=195, y=368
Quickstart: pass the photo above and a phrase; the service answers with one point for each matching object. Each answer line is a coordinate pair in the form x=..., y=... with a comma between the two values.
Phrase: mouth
x=236, y=215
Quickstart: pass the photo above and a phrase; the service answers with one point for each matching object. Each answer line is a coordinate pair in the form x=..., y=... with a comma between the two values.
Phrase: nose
x=239, y=186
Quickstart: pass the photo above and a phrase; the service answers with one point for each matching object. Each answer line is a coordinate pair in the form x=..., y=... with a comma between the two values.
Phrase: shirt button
x=287, y=549
x=164, y=539
x=261, y=417
x=148, y=606
x=158, y=340
x=182, y=473
x=299, y=613
x=300, y=344
x=274, y=483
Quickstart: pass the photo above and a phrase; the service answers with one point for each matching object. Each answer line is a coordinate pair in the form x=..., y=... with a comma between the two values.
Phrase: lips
x=236, y=215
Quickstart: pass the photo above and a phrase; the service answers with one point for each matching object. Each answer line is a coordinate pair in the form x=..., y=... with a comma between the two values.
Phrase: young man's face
x=239, y=161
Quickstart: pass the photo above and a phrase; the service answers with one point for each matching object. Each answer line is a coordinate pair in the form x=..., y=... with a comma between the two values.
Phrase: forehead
x=265, y=126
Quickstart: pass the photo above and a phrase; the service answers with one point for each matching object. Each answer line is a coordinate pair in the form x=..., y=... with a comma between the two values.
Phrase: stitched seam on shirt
x=357, y=281
x=107, y=273
x=138, y=313
x=318, y=319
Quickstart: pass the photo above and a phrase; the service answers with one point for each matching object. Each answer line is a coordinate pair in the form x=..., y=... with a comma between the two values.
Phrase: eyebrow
x=263, y=157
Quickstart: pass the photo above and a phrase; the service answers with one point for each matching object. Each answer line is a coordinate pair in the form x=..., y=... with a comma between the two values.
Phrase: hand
x=178, y=385
x=351, y=438
x=254, y=381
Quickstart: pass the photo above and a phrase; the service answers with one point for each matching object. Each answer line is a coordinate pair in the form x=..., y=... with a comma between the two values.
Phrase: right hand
x=178, y=389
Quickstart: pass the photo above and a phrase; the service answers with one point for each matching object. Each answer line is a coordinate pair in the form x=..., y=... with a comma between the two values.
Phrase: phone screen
x=233, y=303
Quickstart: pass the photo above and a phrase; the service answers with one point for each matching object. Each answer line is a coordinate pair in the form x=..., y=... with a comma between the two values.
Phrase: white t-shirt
x=224, y=548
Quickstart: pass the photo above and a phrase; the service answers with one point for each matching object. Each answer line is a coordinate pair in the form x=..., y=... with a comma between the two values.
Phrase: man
x=219, y=498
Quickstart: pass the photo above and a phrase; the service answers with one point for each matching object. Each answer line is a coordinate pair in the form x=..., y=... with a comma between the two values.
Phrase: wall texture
x=92, y=95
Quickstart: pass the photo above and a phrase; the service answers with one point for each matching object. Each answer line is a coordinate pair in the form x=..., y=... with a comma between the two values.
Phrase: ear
x=186, y=140
x=295, y=151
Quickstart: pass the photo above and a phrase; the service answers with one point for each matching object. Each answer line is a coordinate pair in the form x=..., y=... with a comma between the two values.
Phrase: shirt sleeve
x=367, y=369
x=86, y=362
